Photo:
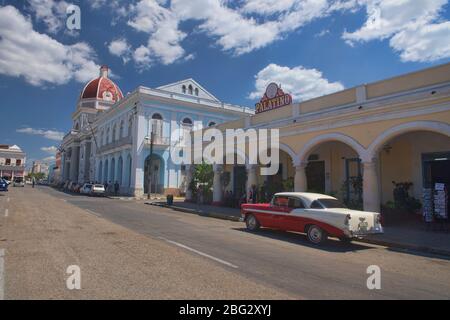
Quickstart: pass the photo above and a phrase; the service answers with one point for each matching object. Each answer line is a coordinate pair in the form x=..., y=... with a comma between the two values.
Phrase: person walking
x=116, y=188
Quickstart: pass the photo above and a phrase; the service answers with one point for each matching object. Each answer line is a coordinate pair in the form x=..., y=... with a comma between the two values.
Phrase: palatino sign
x=273, y=98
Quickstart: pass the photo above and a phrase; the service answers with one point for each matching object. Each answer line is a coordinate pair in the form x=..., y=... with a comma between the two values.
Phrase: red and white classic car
x=317, y=215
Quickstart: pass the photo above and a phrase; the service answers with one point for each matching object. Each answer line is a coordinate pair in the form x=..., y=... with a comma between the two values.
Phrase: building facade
x=129, y=139
x=357, y=144
x=12, y=162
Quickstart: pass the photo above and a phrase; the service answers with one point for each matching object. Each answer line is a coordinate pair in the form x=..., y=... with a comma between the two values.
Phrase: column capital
x=299, y=164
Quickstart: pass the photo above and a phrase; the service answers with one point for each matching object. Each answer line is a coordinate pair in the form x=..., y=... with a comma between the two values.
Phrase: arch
x=120, y=170
x=183, y=89
x=190, y=89
x=100, y=172
x=112, y=175
x=314, y=142
x=77, y=126
x=432, y=126
x=157, y=116
x=105, y=172
x=211, y=124
x=196, y=91
x=129, y=168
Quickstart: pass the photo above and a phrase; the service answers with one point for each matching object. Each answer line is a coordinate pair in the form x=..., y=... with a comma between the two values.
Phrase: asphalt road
x=284, y=264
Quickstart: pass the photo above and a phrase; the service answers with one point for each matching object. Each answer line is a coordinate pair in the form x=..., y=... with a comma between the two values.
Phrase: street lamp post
x=149, y=192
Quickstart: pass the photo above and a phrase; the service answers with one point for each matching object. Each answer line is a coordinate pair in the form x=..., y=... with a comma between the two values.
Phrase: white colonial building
x=110, y=138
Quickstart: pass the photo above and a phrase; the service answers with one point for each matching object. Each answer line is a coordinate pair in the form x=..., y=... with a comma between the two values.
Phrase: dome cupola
x=102, y=88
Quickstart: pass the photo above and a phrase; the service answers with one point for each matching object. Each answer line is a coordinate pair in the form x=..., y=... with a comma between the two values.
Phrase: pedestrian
x=116, y=188
x=33, y=182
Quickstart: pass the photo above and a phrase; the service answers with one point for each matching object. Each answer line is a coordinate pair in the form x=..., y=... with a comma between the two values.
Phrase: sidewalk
x=408, y=237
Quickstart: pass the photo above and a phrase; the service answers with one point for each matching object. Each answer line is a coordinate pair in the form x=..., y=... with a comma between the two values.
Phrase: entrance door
x=353, y=179
x=155, y=164
x=315, y=176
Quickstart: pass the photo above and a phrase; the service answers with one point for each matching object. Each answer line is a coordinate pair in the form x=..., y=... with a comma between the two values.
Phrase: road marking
x=94, y=213
x=6, y=212
x=2, y=281
x=199, y=253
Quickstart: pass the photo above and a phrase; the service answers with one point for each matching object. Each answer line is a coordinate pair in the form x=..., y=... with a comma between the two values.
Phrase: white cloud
x=162, y=25
x=49, y=159
x=49, y=134
x=51, y=12
x=301, y=83
x=428, y=43
x=266, y=7
x=39, y=58
x=51, y=150
x=120, y=48
x=411, y=25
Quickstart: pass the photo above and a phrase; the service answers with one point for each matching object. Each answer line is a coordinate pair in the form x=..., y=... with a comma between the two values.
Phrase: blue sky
x=233, y=48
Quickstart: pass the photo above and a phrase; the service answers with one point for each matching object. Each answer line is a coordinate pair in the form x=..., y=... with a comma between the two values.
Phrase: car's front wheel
x=252, y=223
x=316, y=234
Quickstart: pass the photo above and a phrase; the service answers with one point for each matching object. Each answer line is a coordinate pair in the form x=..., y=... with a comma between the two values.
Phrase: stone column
x=217, y=185
x=371, y=191
x=300, y=182
x=189, y=177
x=251, y=178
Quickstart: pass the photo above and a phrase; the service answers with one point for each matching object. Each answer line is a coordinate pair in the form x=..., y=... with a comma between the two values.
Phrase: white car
x=98, y=190
x=18, y=183
x=317, y=215
x=86, y=188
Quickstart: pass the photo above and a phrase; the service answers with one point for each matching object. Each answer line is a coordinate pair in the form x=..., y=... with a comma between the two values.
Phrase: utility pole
x=150, y=164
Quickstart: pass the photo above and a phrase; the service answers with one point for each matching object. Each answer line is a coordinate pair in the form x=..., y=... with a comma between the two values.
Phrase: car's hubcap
x=315, y=234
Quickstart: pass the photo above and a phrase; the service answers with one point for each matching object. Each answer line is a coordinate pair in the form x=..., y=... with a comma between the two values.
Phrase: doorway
x=315, y=176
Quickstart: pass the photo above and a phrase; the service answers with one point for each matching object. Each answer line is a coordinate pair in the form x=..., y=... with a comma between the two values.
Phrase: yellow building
x=392, y=130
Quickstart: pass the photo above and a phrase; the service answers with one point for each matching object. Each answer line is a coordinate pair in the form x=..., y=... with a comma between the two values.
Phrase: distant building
x=12, y=162
x=40, y=167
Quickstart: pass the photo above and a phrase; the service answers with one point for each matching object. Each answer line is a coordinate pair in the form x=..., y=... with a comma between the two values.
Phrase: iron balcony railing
x=116, y=144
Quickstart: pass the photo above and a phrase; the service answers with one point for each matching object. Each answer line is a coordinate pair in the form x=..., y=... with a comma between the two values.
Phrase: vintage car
x=317, y=215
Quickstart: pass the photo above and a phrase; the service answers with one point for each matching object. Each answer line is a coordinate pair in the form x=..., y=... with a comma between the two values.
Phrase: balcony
x=157, y=141
x=116, y=144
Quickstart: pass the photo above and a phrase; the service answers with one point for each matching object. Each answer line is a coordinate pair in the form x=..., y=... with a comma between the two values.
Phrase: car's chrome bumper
x=362, y=233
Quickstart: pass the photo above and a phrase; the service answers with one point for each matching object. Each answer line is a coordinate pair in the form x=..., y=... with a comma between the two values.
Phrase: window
x=211, y=124
x=183, y=89
x=191, y=89
x=281, y=201
x=196, y=91
x=108, y=132
x=18, y=162
x=102, y=134
x=157, y=116
x=121, y=130
x=296, y=203
x=187, y=122
x=316, y=205
x=8, y=162
x=113, y=137
x=130, y=126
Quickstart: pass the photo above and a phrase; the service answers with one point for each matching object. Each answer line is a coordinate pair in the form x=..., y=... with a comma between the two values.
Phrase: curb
x=195, y=211
x=406, y=247
x=402, y=246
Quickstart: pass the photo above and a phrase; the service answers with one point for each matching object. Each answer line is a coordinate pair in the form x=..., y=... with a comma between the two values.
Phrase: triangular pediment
x=189, y=87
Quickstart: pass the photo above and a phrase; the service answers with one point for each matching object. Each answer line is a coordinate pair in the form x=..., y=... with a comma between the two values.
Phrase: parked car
x=317, y=215
x=98, y=190
x=3, y=185
x=18, y=182
x=86, y=188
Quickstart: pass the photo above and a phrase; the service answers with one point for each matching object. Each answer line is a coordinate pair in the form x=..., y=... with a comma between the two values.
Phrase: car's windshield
x=330, y=203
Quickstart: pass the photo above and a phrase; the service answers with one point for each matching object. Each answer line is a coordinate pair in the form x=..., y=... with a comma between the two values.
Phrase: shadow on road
x=332, y=245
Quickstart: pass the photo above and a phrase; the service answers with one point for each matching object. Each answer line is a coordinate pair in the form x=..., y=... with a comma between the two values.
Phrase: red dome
x=102, y=88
